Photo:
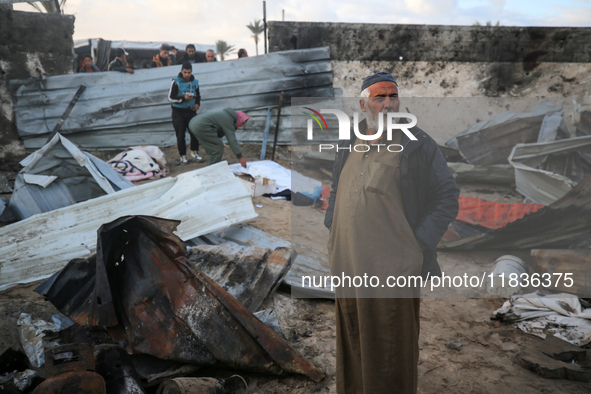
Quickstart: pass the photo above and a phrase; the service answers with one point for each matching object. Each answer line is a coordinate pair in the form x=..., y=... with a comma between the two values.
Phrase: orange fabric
x=324, y=198
x=492, y=214
x=158, y=61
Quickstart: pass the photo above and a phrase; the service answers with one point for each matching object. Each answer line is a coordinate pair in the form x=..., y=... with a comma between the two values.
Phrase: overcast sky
x=206, y=21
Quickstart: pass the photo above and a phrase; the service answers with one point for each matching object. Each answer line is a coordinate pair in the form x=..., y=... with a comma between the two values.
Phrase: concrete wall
x=390, y=42
x=458, y=62
x=33, y=45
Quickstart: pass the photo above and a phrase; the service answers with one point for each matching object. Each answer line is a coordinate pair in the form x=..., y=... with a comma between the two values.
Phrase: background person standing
x=88, y=66
x=185, y=98
x=162, y=59
x=210, y=56
x=120, y=62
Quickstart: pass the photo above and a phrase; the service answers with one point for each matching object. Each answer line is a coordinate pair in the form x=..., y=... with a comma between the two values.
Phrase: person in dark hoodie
x=120, y=62
x=185, y=98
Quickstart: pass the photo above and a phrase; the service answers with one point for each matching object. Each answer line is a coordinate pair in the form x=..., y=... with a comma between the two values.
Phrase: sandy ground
x=461, y=349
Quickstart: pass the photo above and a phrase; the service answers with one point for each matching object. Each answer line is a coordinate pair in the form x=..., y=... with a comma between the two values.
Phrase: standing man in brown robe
x=388, y=210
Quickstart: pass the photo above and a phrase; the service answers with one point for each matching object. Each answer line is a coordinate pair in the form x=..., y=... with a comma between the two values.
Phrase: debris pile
x=552, y=170
x=154, y=302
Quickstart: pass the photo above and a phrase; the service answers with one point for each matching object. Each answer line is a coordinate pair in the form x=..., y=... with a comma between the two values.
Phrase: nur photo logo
x=392, y=120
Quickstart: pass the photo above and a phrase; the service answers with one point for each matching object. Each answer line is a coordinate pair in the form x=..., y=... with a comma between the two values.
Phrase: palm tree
x=488, y=23
x=256, y=28
x=223, y=48
x=49, y=6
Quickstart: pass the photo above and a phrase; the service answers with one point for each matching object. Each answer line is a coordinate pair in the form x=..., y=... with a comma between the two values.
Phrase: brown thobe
x=377, y=329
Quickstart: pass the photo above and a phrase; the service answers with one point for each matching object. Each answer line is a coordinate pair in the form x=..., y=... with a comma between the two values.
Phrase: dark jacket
x=429, y=192
x=176, y=93
x=117, y=65
x=198, y=58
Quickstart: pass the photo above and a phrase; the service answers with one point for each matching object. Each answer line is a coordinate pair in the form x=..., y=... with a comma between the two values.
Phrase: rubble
x=490, y=141
x=163, y=306
x=546, y=171
x=251, y=274
x=307, y=261
x=557, y=359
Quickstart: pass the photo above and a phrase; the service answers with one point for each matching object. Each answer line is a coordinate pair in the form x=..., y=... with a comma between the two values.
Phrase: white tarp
x=151, y=45
x=284, y=178
x=559, y=314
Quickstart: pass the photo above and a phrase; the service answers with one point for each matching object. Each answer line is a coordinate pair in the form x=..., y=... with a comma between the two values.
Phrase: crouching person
x=210, y=127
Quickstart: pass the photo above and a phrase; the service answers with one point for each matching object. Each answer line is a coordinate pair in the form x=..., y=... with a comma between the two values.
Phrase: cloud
x=428, y=8
x=573, y=16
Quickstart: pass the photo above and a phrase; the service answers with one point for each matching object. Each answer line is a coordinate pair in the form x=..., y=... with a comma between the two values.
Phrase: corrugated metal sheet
x=561, y=224
x=546, y=171
x=251, y=274
x=308, y=262
x=118, y=110
x=60, y=174
x=30, y=199
x=544, y=108
x=490, y=142
x=205, y=200
x=163, y=306
x=495, y=173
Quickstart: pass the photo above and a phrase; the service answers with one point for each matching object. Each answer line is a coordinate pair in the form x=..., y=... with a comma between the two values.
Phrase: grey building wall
x=32, y=45
x=392, y=42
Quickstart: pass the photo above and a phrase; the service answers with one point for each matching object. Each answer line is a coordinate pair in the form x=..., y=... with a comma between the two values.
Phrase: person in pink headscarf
x=210, y=127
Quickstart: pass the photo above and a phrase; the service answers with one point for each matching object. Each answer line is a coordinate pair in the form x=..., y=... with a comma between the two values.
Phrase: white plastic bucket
x=499, y=284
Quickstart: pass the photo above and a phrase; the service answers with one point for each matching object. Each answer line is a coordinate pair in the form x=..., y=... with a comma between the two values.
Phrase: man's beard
x=373, y=120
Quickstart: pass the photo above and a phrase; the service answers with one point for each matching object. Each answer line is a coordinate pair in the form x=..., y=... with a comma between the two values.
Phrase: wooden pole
x=277, y=126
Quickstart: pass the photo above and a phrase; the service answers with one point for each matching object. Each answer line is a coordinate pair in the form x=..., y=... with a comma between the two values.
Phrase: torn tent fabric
x=143, y=286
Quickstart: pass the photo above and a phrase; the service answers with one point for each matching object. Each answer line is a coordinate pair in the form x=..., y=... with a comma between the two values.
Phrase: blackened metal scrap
x=116, y=367
x=169, y=309
x=71, y=289
x=249, y=273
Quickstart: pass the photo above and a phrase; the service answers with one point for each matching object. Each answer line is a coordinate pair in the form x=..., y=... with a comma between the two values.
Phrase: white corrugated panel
x=205, y=200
